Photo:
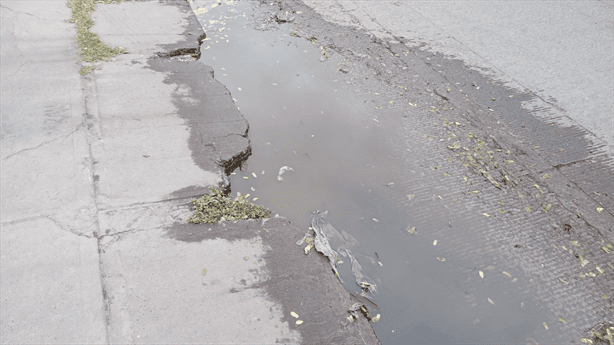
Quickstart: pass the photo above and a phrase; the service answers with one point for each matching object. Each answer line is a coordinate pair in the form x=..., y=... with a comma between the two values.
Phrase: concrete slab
x=146, y=27
x=43, y=141
x=225, y=283
x=143, y=153
x=50, y=278
x=50, y=284
x=162, y=290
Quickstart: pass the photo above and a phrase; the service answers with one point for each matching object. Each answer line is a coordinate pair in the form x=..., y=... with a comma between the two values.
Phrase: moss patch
x=92, y=47
x=215, y=207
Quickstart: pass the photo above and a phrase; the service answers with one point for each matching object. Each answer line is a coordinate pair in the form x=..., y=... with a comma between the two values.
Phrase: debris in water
x=321, y=241
x=599, y=209
x=583, y=261
x=411, y=230
x=282, y=170
x=308, y=248
x=454, y=146
x=204, y=272
x=490, y=301
x=357, y=272
x=481, y=274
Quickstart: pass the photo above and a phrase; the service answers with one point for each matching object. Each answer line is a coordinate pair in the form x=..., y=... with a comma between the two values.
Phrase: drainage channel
x=347, y=159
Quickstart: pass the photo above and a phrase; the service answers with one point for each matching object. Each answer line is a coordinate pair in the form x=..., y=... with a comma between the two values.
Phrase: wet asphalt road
x=488, y=207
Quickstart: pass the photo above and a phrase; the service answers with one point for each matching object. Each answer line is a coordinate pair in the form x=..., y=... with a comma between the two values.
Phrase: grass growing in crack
x=92, y=47
x=215, y=207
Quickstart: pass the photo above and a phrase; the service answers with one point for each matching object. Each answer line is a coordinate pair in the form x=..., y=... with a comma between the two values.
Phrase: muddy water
x=364, y=167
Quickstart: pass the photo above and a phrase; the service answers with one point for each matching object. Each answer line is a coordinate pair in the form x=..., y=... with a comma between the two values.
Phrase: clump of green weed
x=92, y=47
x=215, y=207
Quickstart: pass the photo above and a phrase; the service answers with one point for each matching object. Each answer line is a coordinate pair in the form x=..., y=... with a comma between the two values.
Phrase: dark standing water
x=303, y=114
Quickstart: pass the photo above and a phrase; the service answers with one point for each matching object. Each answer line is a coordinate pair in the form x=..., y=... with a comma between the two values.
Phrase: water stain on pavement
x=478, y=265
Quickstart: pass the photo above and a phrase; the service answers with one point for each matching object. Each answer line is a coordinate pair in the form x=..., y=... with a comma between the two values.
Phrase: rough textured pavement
x=97, y=173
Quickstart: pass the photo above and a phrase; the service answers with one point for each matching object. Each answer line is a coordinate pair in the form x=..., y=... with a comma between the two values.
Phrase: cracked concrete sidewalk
x=97, y=174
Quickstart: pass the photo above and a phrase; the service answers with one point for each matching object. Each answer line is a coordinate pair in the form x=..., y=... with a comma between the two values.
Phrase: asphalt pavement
x=97, y=175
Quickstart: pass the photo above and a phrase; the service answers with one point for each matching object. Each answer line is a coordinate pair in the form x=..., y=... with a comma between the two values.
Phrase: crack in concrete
x=26, y=13
x=95, y=132
x=45, y=142
x=24, y=220
x=150, y=203
x=59, y=225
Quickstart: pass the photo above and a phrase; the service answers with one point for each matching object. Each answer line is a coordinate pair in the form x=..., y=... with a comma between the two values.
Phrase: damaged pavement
x=97, y=175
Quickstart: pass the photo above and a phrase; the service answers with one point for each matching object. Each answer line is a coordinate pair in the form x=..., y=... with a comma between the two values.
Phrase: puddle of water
x=303, y=114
